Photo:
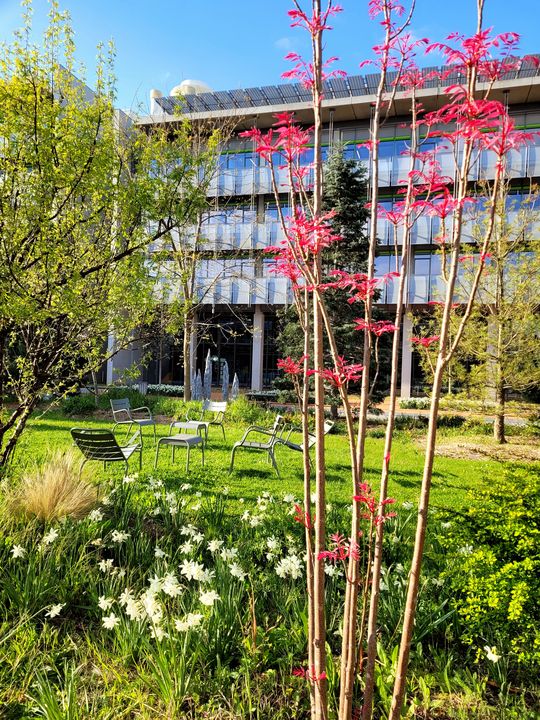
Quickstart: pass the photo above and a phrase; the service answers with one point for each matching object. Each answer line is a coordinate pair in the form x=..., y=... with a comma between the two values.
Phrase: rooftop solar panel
x=391, y=77
x=529, y=66
x=255, y=95
x=290, y=93
x=432, y=81
x=372, y=81
x=240, y=97
x=303, y=92
x=357, y=85
x=224, y=99
x=339, y=87
x=272, y=94
x=197, y=103
x=334, y=88
x=209, y=100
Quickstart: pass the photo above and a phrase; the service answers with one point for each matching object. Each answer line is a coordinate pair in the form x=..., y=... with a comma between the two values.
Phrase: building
x=241, y=296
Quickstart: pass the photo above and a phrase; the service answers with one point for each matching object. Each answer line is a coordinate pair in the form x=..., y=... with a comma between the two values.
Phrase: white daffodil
x=192, y=570
x=50, y=537
x=55, y=610
x=106, y=565
x=229, y=554
x=491, y=653
x=105, y=603
x=125, y=597
x=118, y=536
x=236, y=571
x=17, y=551
x=289, y=566
x=209, y=597
x=158, y=553
x=170, y=585
x=95, y=515
x=192, y=620
x=215, y=545
x=109, y=622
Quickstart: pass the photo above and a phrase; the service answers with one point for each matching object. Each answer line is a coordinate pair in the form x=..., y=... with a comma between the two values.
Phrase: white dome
x=155, y=94
x=190, y=87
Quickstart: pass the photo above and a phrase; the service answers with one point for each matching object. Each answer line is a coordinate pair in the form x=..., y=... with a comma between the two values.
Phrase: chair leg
x=202, y=450
x=156, y=459
x=154, y=433
x=223, y=430
x=173, y=448
x=232, y=460
x=140, y=458
x=273, y=459
x=187, y=460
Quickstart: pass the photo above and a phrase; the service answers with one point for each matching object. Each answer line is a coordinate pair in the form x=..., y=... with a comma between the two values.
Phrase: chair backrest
x=121, y=405
x=214, y=407
x=97, y=444
x=328, y=425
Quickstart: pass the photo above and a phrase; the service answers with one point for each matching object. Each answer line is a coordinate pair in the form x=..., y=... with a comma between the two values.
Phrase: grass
x=252, y=475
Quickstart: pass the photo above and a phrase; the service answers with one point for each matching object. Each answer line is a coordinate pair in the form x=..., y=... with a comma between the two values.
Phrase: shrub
x=244, y=411
x=54, y=491
x=450, y=421
x=119, y=392
x=170, y=406
x=496, y=573
x=420, y=403
x=163, y=389
x=78, y=405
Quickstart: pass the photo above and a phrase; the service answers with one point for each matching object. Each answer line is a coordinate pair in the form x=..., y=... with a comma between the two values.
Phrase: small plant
x=78, y=405
x=54, y=490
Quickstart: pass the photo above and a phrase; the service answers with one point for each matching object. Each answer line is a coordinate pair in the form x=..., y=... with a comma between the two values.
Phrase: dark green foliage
x=496, y=569
x=78, y=405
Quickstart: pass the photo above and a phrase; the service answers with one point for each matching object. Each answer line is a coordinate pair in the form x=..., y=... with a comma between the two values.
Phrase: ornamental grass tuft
x=53, y=491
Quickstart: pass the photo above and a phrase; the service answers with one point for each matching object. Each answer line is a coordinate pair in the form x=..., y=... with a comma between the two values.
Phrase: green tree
x=75, y=201
x=503, y=336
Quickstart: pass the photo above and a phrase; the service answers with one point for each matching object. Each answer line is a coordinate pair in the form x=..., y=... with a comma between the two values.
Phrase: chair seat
x=255, y=445
x=181, y=439
x=128, y=451
x=143, y=421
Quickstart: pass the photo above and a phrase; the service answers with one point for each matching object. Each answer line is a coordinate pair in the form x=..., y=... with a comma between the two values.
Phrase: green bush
x=136, y=398
x=450, y=421
x=244, y=411
x=78, y=405
x=496, y=568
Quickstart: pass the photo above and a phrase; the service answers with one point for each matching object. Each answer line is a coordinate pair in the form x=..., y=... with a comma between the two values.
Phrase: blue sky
x=230, y=44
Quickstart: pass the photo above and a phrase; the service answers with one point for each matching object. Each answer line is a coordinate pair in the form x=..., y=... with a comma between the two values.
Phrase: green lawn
x=253, y=475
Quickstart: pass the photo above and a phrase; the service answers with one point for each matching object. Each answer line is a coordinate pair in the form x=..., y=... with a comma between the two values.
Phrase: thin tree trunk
x=319, y=641
x=8, y=448
x=186, y=352
x=498, y=425
x=369, y=683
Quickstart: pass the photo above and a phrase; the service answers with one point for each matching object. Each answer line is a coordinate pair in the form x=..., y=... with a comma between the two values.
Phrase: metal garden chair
x=124, y=414
x=217, y=409
x=101, y=444
x=267, y=445
x=299, y=447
